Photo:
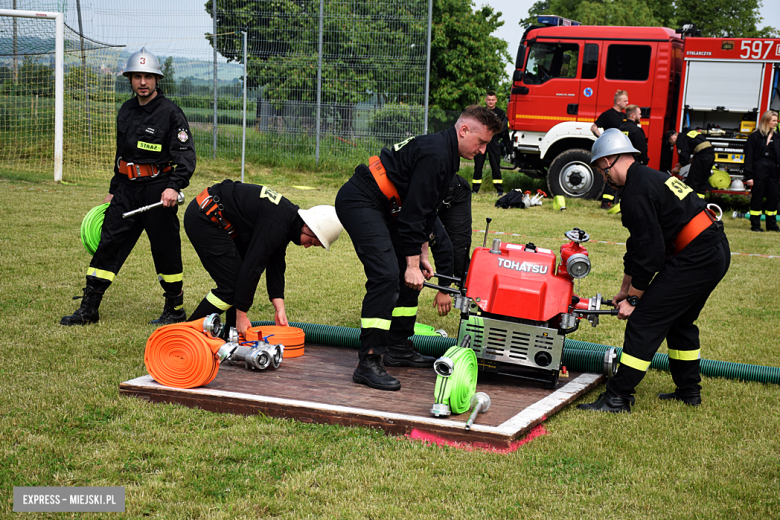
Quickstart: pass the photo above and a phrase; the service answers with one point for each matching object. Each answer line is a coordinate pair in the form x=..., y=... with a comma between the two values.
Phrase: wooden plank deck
x=317, y=387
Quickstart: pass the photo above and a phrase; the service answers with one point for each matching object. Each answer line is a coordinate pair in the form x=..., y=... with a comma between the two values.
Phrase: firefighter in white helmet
x=155, y=158
x=676, y=255
x=242, y=230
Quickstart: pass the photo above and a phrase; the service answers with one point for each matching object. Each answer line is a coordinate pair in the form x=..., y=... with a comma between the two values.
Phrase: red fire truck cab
x=567, y=75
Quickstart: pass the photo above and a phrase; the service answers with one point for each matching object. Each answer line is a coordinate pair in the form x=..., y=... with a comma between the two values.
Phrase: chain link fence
x=328, y=83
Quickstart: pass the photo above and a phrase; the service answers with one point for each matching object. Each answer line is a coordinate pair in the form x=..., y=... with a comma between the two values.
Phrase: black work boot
x=173, y=311
x=755, y=223
x=771, y=223
x=608, y=402
x=88, y=312
x=689, y=397
x=405, y=355
x=370, y=372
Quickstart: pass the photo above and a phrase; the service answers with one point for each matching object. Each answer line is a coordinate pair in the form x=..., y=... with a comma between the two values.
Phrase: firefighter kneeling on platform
x=239, y=230
x=676, y=255
x=389, y=209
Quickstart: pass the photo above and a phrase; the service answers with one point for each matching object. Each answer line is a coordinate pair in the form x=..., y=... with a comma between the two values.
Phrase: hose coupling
x=440, y=410
x=444, y=367
x=260, y=356
x=212, y=325
x=611, y=363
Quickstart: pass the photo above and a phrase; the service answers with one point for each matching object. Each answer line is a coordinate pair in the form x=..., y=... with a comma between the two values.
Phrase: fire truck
x=567, y=74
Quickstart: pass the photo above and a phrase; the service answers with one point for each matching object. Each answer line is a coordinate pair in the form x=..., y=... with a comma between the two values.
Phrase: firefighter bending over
x=389, y=208
x=239, y=230
x=676, y=255
x=694, y=149
x=155, y=158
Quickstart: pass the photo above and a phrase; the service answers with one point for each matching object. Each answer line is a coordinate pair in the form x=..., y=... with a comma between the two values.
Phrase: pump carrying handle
x=441, y=288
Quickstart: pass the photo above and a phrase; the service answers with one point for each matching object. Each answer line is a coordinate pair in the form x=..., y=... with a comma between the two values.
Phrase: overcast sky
x=515, y=10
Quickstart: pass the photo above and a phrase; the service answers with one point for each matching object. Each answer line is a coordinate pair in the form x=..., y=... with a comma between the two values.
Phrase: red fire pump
x=518, y=304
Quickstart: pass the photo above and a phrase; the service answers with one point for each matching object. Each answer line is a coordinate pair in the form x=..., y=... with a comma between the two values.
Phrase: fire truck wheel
x=570, y=175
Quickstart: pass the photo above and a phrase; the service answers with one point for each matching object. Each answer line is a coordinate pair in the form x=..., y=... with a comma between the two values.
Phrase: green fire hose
x=456, y=381
x=579, y=356
x=91, y=227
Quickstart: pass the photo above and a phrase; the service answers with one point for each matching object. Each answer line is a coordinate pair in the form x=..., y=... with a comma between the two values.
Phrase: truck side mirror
x=520, y=61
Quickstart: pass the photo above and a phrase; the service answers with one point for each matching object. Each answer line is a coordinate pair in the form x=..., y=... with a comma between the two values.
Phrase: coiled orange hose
x=182, y=355
x=292, y=338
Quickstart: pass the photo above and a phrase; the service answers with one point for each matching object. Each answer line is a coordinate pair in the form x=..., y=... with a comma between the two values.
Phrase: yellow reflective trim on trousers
x=754, y=213
x=476, y=181
x=99, y=273
x=608, y=197
x=685, y=355
x=375, y=323
x=170, y=278
x=635, y=363
x=770, y=213
x=216, y=302
x=404, y=311
x=498, y=181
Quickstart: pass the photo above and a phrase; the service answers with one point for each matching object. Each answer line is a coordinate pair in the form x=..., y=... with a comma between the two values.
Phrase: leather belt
x=213, y=208
x=133, y=170
x=385, y=184
x=693, y=229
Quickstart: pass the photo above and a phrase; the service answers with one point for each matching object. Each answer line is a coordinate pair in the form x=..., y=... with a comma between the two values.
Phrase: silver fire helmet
x=611, y=142
x=143, y=61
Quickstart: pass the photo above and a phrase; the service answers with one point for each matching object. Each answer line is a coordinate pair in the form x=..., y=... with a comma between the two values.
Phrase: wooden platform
x=318, y=387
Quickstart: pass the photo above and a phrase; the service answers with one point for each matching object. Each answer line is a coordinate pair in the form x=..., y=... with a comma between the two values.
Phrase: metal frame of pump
x=527, y=343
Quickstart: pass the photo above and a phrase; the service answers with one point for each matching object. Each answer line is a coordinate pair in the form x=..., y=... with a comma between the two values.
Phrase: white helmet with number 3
x=143, y=61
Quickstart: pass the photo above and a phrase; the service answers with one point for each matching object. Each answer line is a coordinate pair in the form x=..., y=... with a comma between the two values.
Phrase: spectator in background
x=694, y=149
x=632, y=127
x=612, y=118
x=762, y=171
x=493, y=151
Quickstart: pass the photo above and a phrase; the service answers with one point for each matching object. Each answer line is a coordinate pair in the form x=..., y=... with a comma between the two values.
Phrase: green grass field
x=64, y=424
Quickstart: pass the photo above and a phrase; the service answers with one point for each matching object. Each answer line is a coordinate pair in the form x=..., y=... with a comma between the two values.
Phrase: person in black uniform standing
x=762, y=172
x=389, y=208
x=632, y=127
x=240, y=230
x=492, y=151
x=155, y=158
x=611, y=118
x=676, y=255
x=694, y=149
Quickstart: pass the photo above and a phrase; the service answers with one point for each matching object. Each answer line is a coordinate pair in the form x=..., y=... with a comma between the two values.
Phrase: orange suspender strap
x=213, y=209
x=692, y=229
x=384, y=183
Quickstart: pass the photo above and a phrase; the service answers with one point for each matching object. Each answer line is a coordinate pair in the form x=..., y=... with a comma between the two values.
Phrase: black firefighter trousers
x=389, y=307
x=765, y=184
x=494, y=156
x=119, y=236
x=698, y=176
x=220, y=257
x=668, y=309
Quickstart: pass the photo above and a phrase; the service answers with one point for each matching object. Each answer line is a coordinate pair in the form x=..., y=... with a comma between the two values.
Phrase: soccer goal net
x=34, y=141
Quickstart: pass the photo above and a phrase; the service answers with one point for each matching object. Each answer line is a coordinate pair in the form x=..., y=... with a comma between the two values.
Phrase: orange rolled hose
x=182, y=356
x=292, y=338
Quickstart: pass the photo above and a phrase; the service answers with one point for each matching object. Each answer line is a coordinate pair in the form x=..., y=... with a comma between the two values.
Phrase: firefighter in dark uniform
x=450, y=242
x=493, y=150
x=155, y=158
x=676, y=255
x=762, y=172
x=632, y=127
x=241, y=230
x=389, y=208
x=694, y=149
x=612, y=118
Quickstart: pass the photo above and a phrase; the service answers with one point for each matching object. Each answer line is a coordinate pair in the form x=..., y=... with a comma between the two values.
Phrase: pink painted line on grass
x=433, y=439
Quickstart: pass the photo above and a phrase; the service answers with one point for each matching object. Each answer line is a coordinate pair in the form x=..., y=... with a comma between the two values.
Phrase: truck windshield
x=551, y=60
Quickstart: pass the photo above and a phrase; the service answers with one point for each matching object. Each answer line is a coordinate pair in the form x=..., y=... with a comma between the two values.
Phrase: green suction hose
x=579, y=356
x=456, y=381
x=91, y=227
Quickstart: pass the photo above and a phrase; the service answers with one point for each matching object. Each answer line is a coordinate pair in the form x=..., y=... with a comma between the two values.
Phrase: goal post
x=59, y=52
